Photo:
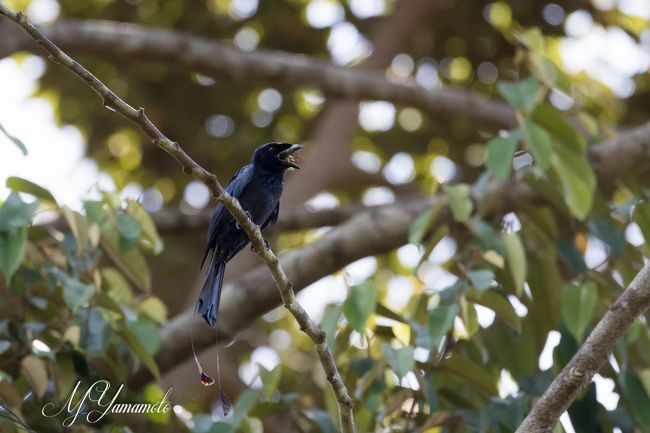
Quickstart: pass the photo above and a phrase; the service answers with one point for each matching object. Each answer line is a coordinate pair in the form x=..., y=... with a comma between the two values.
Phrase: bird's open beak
x=286, y=155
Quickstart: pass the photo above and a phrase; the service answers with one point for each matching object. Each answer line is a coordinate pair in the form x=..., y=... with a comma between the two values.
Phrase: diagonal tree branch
x=591, y=356
x=113, y=102
x=285, y=70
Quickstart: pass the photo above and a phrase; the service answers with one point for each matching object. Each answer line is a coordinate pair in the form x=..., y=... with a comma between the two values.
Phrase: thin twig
x=114, y=103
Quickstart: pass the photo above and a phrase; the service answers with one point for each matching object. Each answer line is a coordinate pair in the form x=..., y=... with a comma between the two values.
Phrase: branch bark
x=285, y=70
x=591, y=356
x=113, y=102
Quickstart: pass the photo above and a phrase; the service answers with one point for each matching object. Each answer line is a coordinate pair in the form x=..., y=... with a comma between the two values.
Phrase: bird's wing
x=273, y=218
x=235, y=188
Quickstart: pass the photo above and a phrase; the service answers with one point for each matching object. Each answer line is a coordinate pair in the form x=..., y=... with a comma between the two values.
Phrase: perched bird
x=258, y=187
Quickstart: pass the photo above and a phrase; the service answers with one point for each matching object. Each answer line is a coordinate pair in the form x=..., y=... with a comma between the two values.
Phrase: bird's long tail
x=208, y=302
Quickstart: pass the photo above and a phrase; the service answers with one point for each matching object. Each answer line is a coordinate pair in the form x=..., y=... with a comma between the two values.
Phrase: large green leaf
x=522, y=95
x=515, y=259
x=501, y=306
x=13, y=244
x=636, y=400
x=359, y=305
x=130, y=262
x=577, y=178
x=474, y=374
x=401, y=361
x=500, y=151
x=578, y=304
x=539, y=143
x=329, y=322
x=15, y=213
x=270, y=379
x=129, y=231
x=140, y=351
x=441, y=320
x=554, y=122
x=23, y=185
x=149, y=232
x=460, y=201
x=481, y=279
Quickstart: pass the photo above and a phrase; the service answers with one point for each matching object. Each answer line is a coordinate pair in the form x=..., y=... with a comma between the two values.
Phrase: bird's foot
x=249, y=217
x=267, y=245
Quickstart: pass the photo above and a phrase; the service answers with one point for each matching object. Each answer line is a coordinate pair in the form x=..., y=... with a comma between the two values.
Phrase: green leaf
x=147, y=332
x=636, y=400
x=141, y=352
x=13, y=244
x=522, y=95
x=641, y=216
x=131, y=262
x=153, y=308
x=328, y=324
x=460, y=202
x=153, y=394
x=577, y=178
x=23, y=185
x=15, y=140
x=553, y=121
x=75, y=293
x=500, y=305
x=401, y=361
x=359, y=305
x=97, y=333
x=481, y=279
x=15, y=213
x=515, y=260
x=4, y=346
x=474, y=374
x=129, y=231
x=117, y=286
x=78, y=226
x=441, y=320
x=270, y=379
x=578, y=304
x=244, y=404
x=500, y=151
x=149, y=232
x=539, y=144
x=418, y=229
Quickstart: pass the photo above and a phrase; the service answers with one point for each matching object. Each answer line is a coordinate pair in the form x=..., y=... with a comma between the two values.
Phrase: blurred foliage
x=429, y=364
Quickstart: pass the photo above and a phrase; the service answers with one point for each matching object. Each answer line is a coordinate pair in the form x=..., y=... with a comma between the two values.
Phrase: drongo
x=258, y=187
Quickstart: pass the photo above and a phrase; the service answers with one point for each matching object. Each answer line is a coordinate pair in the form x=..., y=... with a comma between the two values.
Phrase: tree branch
x=591, y=356
x=113, y=102
x=284, y=70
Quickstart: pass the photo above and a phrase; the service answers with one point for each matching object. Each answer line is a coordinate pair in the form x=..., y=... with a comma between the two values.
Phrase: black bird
x=258, y=187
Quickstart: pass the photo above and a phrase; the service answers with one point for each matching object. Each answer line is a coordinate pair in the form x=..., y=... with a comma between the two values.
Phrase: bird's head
x=276, y=156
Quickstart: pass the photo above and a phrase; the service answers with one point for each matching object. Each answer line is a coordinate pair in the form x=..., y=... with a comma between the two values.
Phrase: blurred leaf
x=24, y=185
x=500, y=151
x=418, y=229
x=141, y=352
x=359, y=305
x=147, y=332
x=481, y=279
x=78, y=225
x=636, y=400
x=440, y=322
x=75, y=293
x=15, y=213
x=154, y=308
x=431, y=243
x=539, y=144
x=15, y=140
x=149, y=232
x=13, y=244
x=468, y=316
x=510, y=411
x=501, y=307
x=470, y=372
x=610, y=235
x=322, y=420
x=34, y=370
x=270, y=379
x=97, y=333
x=522, y=95
x=578, y=304
x=553, y=121
x=328, y=324
x=401, y=361
x=4, y=346
x=243, y=406
x=116, y=286
x=130, y=262
x=460, y=201
x=577, y=178
x=641, y=216
x=153, y=394
x=515, y=260
x=129, y=231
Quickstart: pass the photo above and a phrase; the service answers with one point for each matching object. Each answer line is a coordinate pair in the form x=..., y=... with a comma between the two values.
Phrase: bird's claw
x=267, y=245
x=248, y=215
